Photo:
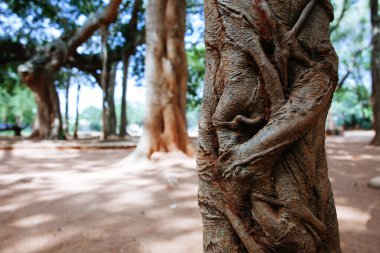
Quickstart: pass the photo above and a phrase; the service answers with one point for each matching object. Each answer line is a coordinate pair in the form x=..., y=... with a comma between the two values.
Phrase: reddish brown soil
x=352, y=164
x=85, y=201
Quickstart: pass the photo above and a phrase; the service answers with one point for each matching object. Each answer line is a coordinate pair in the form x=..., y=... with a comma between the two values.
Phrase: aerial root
x=287, y=47
x=239, y=121
x=272, y=201
x=315, y=236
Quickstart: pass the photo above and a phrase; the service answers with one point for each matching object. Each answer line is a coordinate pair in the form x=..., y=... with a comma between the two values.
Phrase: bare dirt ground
x=65, y=200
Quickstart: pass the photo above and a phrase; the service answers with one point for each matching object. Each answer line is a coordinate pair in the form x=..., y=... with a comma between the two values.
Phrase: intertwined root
x=282, y=227
x=286, y=45
x=283, y=221
x=286, y=218
x=240, y=121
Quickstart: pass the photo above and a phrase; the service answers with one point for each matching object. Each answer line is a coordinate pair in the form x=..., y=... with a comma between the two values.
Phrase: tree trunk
x=123, y=114
x=49, y=118
x=112, y=122
x=66, y=128
x=133, y=39
x=263, y=178
x=104, y=83
x=375, y=69
x=77, y=115
x=166, y=76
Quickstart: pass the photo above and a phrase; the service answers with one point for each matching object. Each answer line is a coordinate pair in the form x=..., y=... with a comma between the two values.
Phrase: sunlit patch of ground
x=83, y=201
x=77, y=201
x=352, y=164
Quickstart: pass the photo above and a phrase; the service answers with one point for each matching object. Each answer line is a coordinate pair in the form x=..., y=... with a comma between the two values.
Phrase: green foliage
x=135, y=113
x=137, y=65
x=192, y=116
x=352, y=108
x=196, y=75
x=94, y=116
x=17, y=104
x=351, y=105
x=62, y=15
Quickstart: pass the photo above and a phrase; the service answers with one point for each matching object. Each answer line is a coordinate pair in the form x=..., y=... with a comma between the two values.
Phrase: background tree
x=375, y=68
x=270, y=75
x=76, y=124
x=351, y=107
x=106, y=85
x=134, y=37
x=125, y=34
x=39, y=71
x=166, y=78
x=67, y=89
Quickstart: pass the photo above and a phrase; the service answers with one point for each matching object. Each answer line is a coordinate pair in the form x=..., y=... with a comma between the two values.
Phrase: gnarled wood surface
x=270, y=75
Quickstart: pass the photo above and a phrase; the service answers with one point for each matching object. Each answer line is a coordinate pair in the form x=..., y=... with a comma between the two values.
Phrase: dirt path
x=352, y=164
x=81, y=201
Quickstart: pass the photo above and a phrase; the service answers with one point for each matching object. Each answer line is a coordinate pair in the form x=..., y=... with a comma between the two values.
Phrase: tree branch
x=85, y=62
x=14, y=51
x=341, y=82
x=349, y=70
x=345, y=7
x=55, y=54
x=93, y=23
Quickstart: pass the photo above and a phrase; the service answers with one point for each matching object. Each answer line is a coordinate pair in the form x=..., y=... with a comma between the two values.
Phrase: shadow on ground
x=83, y=201
x=77, y=201
x=352, y=164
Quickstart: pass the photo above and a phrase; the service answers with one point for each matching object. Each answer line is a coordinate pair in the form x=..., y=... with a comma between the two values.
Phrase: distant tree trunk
x=166, y=76
x=123, y=113
x=76, y=126
x=132, y=38
x=112, y=121
x=104, y=82
x=375, y=69
x=49, y=118
x=66, y=128
x=38, y=72
x=271, y=71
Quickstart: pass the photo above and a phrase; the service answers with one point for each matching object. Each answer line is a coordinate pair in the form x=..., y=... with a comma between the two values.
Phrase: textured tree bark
x=375, y=69
x=271, y=71
x=166, y=76
x=48, y=60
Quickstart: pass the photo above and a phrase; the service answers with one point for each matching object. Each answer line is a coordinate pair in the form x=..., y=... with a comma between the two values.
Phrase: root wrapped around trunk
x=271, y=73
